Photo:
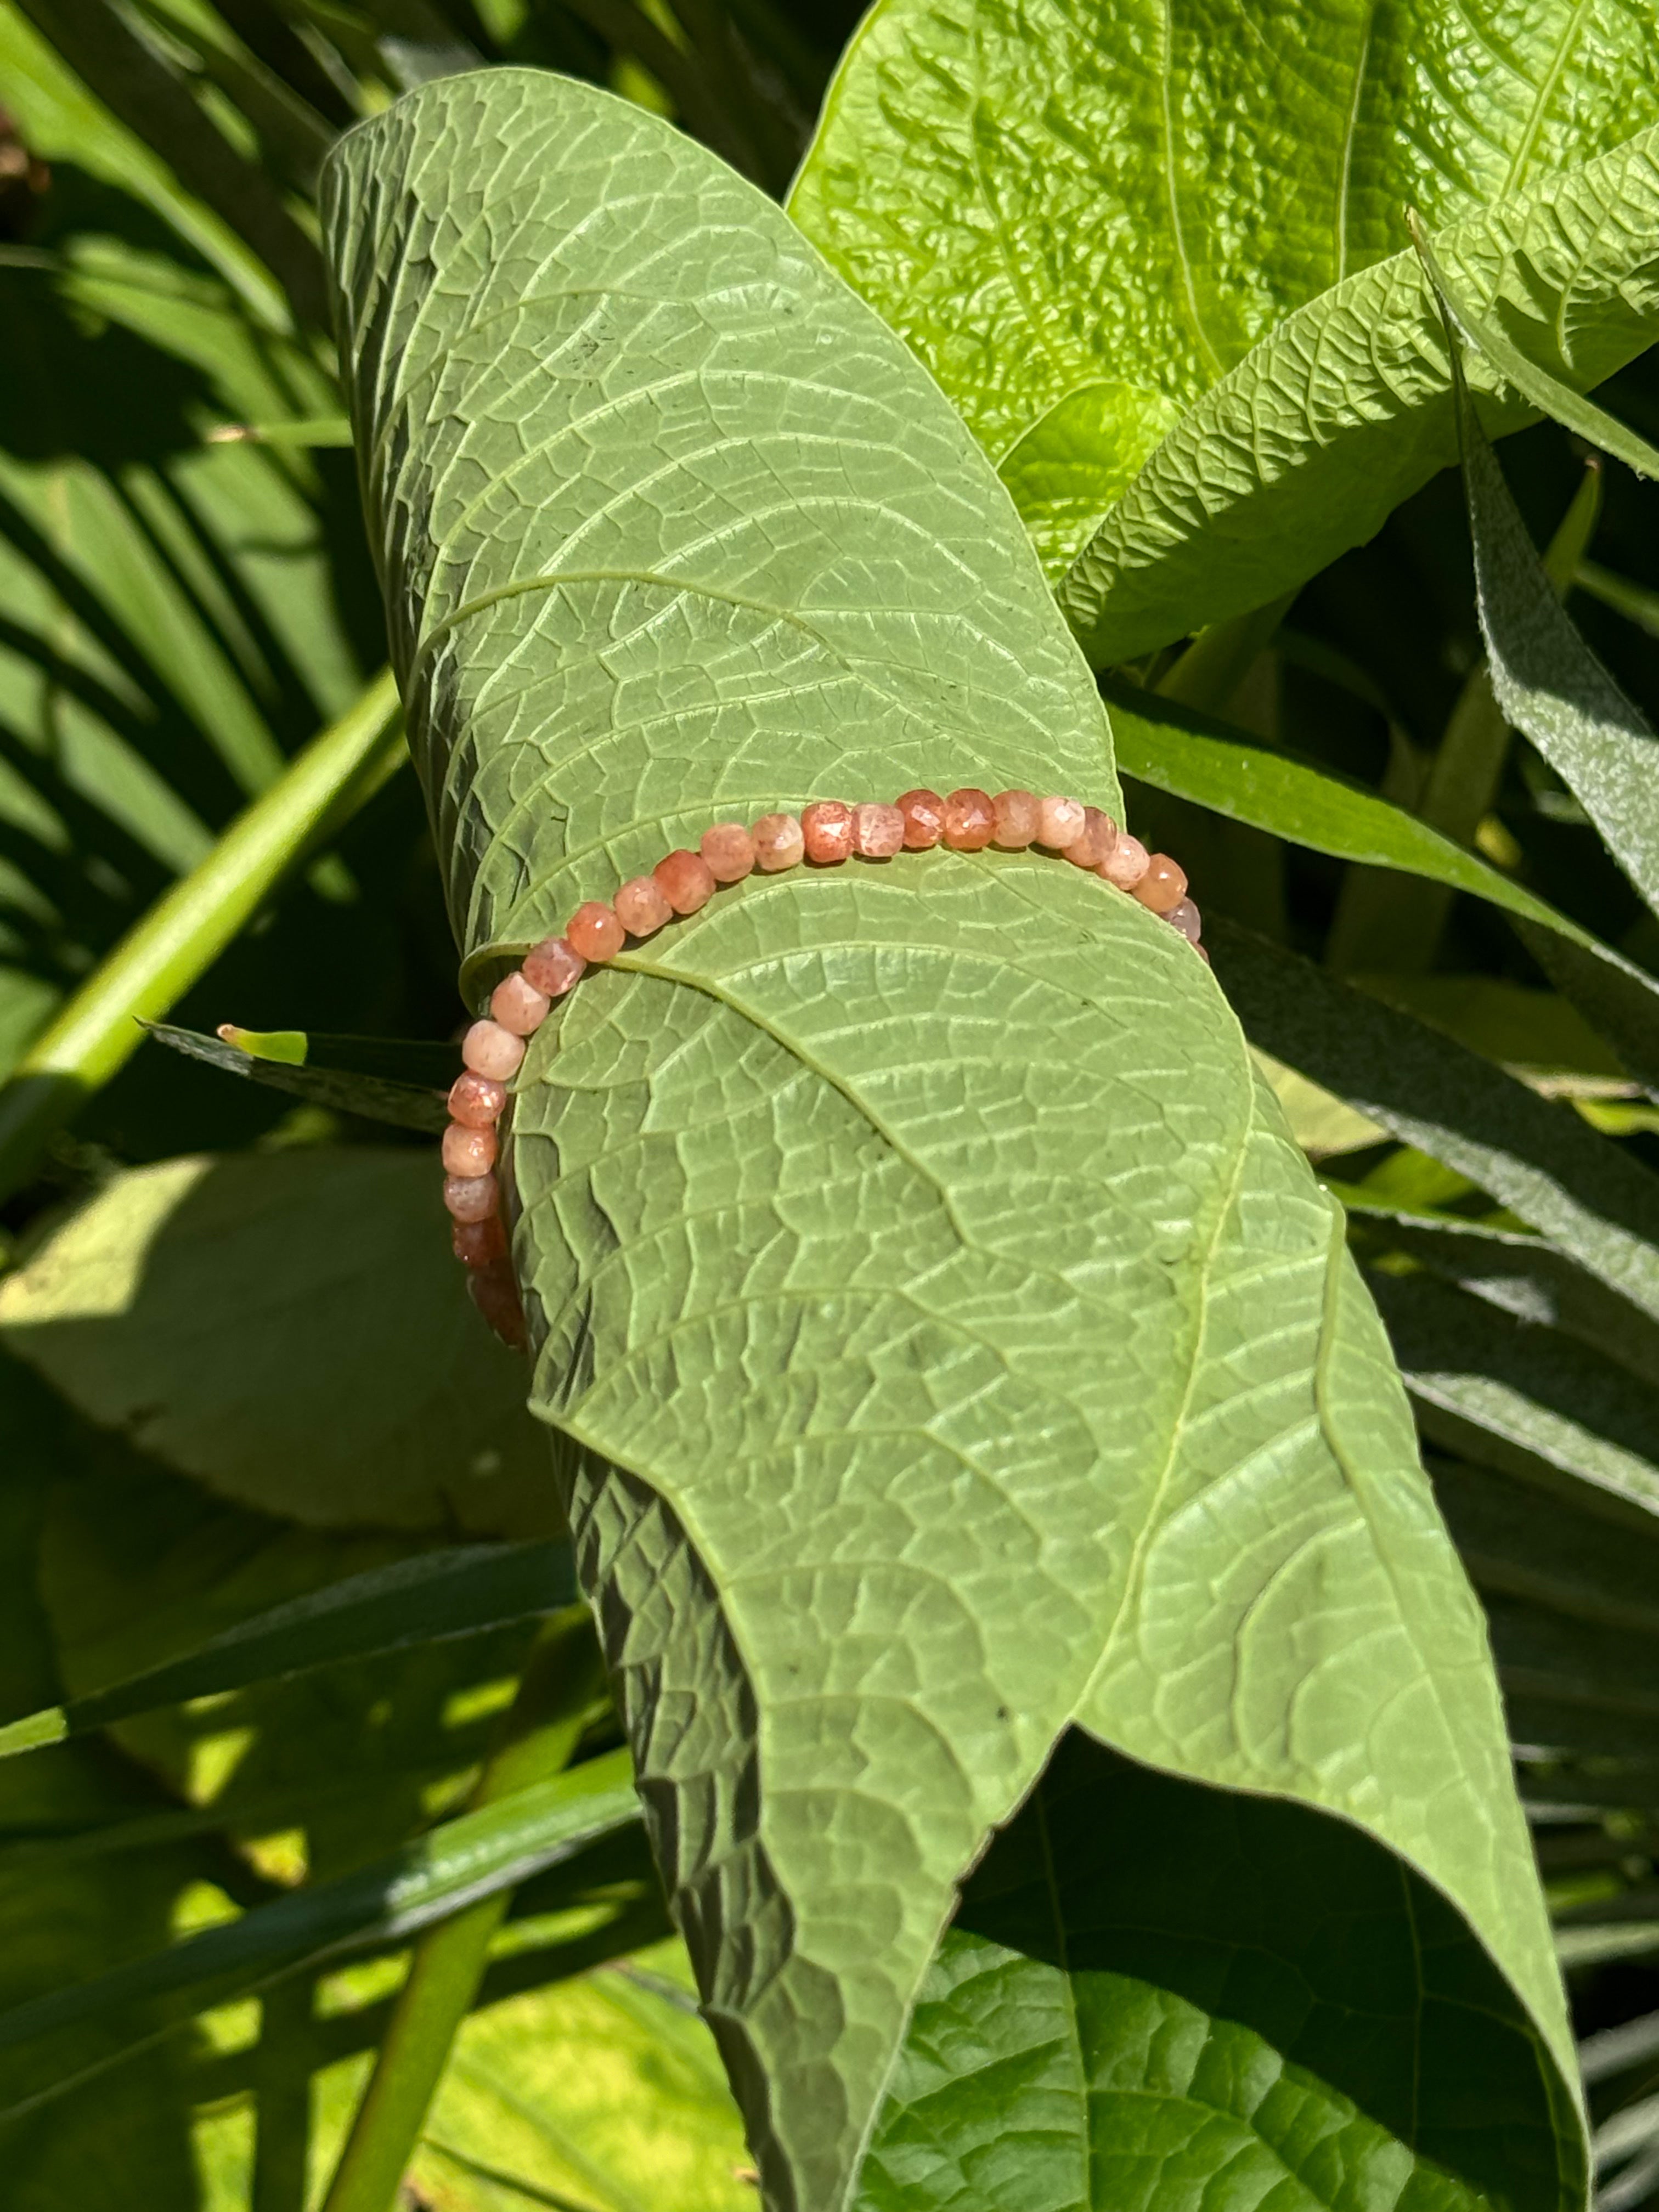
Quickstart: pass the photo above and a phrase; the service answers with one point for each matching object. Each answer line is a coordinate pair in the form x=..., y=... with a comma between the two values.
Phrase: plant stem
x=563, y=1677
x=190, y=925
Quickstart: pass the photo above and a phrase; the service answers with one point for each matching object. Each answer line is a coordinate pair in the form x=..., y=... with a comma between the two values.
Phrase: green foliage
x=928, y=1294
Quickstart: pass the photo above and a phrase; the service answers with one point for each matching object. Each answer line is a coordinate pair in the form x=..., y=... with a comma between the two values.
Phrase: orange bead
x=729, y=851
x=642, y=906
x=778, y=843
x=594, y=932
x=1018, y=818
x=1164, y=885
x=923, y=819
x=476, y=1100
x=970, y=820
x=685, y=880
x=827, y=827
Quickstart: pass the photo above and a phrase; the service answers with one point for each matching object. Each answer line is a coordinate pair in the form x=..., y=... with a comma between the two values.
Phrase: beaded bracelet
x=825, y=833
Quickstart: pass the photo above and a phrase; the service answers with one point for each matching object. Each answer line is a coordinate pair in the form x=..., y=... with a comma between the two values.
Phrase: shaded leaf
x=1555, y=1548
x=291, y=1329
x=375, y=1098
x=933, y=1291
x=1597, y=1203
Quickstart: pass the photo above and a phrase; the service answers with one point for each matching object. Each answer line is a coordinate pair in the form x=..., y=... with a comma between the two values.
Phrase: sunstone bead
x=923, y=819
x=594, y=932
x=496, y=1295
x=729, y=850
x=478, y=1243
x=827, y=828
x=489, y=1049
x=476, y=1100
x=518, y=1006
x=1164, y=885
x=1094, y=841
x=685, y=880
x=1126, y=864
x=553, y=967
x=472, y=1198
x=1059, y=821
x=1018, y=818
x=877, y=831
x=969, y=820
x=1185, y=916
x=468, y=1152
x=779, y=842
x=642, y=906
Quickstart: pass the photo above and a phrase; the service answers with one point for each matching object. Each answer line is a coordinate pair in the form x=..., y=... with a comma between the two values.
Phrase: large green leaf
x=955, y=1344
x=291, y=1329
x=1085, y=217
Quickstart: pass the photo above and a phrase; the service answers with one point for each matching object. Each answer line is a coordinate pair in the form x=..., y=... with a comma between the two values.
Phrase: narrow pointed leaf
x=1597, y=1203
x=374, y=1097
x=1556, y=1548
x=955, y=1348
x=437, y=1594
x=1546, y=679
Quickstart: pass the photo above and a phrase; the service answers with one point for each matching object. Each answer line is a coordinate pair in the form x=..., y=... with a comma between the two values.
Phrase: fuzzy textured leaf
x=954, y=1344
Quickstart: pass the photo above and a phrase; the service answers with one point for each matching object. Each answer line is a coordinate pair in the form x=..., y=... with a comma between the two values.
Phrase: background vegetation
x=239, y=1371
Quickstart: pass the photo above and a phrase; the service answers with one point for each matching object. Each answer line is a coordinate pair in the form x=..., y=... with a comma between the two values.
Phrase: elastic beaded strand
x=825, y=833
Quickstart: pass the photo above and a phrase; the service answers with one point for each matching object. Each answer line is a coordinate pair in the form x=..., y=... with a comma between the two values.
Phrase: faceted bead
x=552, y=967
x=778, y=842
x=478, y=1243
x=827, y=827
x=969, y=820
x=1126, y=864
x=496, y=1295
x=468, y=1152
x=476, y=1101
x=923, y=819
x=489, y=1049
x=642, y=906
x=685, y=880
x=877, y=831
x=1095, y=841
x=1164, y=885
x=518, y=1006
x=1059, y=821
x=1184, y=916
x=472, y=1198
x=1019, y=819
x=729, y=851
x=594, y=932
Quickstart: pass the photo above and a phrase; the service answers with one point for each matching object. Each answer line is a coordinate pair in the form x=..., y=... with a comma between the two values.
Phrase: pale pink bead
x=642, y=906
x=489, y=1049
x=553, y=967
x=476, y=1101
x=472, y=1198
x=1061, y=823
x=826, y=827
x=468, y=1152
x=1095, y=841
x=779, y=842
x=1018, y=818
x=518, y=1006
x=729, y=850
x=1184, y=916
x=877, y=831
x=1126, y=864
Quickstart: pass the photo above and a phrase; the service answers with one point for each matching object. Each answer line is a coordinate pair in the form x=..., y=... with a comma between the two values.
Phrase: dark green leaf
x=375, y=1098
